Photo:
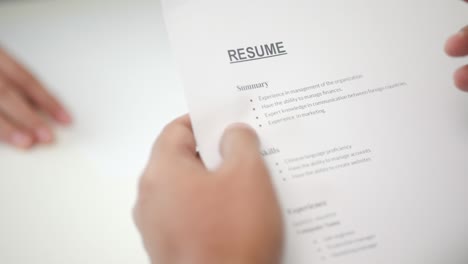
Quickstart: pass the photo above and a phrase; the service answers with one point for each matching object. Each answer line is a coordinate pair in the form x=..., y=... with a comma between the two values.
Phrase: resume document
x=364, y=134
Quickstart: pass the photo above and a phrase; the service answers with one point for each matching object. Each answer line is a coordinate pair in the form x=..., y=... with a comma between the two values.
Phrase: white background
x=109, y=62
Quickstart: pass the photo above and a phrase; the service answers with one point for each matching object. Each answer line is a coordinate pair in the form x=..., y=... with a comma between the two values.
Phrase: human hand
x=187, y=214
x=22, y=99
x=457, y=46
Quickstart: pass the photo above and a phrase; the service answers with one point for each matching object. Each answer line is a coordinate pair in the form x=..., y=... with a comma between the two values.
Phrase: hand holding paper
x=457, y=46
x=188, y=214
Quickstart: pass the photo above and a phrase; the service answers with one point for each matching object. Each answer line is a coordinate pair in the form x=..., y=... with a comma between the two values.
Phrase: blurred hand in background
x=25, y=105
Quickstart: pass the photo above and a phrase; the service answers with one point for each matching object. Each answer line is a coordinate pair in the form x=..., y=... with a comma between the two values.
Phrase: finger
x=457, y=45
x=174, y=156
x=239, y=143
x=461, y=78
x=240, y=149
x=177, y=142
x=13, y=135
x=32, y=88
x=243, y=167
x=16, y=109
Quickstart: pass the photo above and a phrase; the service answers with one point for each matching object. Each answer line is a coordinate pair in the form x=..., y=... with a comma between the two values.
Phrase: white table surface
x=109, y=62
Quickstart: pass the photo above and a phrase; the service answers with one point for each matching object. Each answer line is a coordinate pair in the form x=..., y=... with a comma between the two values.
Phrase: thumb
x=240, y=149
x=457, y=45
x=240, y=145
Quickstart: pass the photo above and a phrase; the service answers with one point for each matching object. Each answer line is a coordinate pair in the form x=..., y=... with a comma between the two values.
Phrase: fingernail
x=63, y=117
x=21, y=140
x=44, y=135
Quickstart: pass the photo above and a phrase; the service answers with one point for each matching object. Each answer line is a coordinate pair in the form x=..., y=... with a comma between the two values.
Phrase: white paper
x=364, y=134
